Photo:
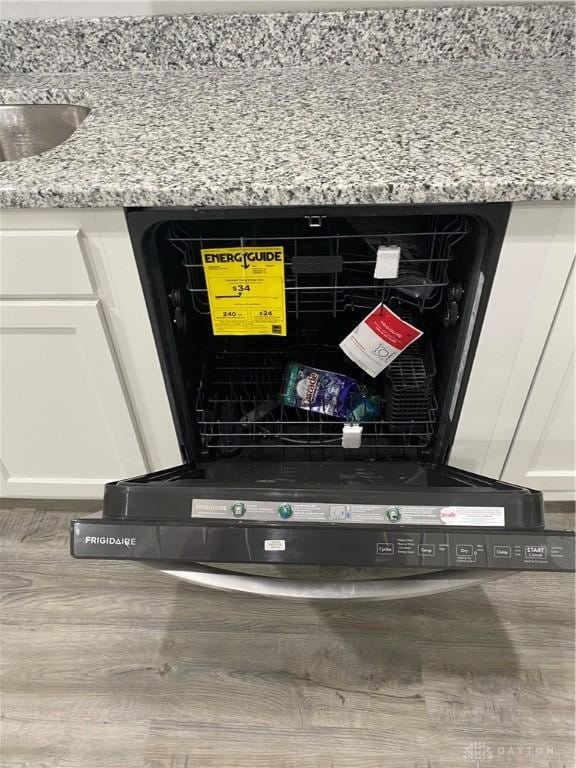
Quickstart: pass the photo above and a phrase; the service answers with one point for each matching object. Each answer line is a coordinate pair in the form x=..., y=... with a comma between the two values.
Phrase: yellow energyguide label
x=246, y=290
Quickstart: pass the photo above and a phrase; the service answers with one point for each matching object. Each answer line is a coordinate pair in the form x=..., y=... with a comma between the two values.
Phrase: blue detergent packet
x=332, y=394
x=363, y=406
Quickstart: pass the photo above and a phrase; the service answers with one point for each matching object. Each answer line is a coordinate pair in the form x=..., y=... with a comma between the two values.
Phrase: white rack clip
x=387, y=261
x=352, y=435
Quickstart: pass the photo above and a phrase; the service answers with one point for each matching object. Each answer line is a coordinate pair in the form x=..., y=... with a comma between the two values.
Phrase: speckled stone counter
x=240, y=40
x=455, y=131
x=465, y=132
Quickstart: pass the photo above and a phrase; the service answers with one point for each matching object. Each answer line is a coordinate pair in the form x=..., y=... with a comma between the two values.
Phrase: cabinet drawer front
x=43, y=263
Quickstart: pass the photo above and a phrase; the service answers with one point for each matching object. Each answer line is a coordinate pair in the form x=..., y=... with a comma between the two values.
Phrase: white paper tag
x=485, y=516
x=275, y=545
x=387, y=260
x=378, y=340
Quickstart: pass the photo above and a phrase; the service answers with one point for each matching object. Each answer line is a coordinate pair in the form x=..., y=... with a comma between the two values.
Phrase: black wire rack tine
x=335, y=294
x=432, y=247
x=335, y=279
x=282, y=422
x=296, y=286
x=444, y=249
x=256, y=429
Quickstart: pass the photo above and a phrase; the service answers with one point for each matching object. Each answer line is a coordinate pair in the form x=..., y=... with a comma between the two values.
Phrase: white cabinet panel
x=533, y=267
x=67, y=426
x=43, y=263
x=88, y=253
x=543, y=452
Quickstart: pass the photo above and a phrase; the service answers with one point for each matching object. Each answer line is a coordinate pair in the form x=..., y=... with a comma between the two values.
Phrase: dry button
x=238, y=509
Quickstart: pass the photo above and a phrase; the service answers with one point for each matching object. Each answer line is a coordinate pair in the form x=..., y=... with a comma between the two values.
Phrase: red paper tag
x=379, y=339
x=391, y=328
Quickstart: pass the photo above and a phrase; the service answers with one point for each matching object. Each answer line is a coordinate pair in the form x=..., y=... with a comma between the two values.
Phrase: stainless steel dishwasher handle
x=300, y=589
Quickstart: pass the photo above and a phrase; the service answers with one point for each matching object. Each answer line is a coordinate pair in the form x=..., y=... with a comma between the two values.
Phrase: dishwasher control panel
x=510, y=550
x=231, y=540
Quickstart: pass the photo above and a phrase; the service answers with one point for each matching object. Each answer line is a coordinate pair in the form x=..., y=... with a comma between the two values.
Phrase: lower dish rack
x=238, y=407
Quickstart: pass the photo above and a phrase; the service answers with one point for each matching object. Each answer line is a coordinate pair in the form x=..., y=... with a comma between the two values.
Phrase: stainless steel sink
x=30, y=129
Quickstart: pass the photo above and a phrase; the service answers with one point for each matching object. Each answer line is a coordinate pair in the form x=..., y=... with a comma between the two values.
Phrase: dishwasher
x=265, y=482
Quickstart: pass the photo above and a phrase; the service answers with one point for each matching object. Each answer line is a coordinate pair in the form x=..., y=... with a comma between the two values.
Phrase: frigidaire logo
x=109, y=540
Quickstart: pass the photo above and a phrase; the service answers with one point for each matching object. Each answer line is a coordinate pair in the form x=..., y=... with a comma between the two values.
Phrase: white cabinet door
x=543, y=453
x=66, y=426
x=83, y=396
x=532, y=271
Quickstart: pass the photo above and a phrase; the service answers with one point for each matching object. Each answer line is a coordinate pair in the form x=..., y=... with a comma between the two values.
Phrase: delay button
x=502, y=550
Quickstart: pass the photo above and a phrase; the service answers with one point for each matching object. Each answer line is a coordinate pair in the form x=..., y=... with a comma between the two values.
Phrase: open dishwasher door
x=271, y=484
x=383, y=514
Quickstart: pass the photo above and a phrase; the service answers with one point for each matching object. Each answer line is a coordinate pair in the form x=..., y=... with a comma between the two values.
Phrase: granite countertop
x=452, y=131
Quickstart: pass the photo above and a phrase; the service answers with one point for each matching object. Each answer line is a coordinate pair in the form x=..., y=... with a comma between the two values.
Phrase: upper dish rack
x=334, y=273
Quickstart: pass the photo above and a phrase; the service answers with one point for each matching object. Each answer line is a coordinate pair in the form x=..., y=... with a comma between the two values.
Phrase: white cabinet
x=82, y=397
x=66, y=423
x=533, y=269
x=543, y=452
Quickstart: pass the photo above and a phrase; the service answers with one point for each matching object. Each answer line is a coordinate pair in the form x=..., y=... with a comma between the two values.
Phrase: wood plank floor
x=110, y=665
